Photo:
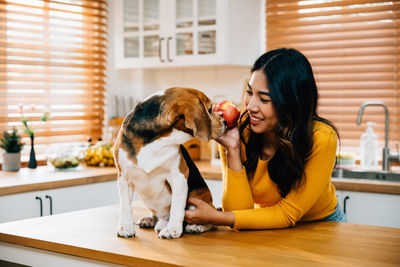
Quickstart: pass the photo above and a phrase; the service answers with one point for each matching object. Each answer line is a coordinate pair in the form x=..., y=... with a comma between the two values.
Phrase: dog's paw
x=161, y=224
x=147, y=221
x=198, y=228
x=126, y=230
x=169, y=232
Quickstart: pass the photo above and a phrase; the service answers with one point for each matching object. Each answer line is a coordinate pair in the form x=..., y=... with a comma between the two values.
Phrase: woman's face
x=257, y=100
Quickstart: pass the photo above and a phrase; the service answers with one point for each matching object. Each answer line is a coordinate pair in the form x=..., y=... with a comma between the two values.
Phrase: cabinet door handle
x=159, y=49
x=51, y=204
x=168, y=57
x=344, y=203
x=41, y=205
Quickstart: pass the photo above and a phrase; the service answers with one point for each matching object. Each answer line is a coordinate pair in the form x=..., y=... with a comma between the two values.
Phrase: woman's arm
x=236, y=190
x=237, y=193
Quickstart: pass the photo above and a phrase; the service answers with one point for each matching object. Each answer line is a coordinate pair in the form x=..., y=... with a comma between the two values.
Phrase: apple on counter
x=230, y=112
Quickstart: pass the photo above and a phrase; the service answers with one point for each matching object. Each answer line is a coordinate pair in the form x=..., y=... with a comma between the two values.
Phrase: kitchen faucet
x=386, y=155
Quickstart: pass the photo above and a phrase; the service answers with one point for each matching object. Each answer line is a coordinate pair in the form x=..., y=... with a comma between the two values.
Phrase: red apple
x=230, y=113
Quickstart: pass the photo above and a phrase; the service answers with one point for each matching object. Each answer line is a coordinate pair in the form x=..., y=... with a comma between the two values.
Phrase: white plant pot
x=11, y=161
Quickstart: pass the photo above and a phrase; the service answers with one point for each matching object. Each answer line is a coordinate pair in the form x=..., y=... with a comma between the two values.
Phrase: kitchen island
x=87, y=238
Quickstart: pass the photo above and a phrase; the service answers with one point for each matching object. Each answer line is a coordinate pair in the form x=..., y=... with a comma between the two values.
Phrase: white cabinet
x=371, y=208
x=47, y=202
x=19, y=206
x=173, y=33
x=215, y=187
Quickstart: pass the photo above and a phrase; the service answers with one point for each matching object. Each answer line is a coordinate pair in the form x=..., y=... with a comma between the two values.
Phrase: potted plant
x=12, y=145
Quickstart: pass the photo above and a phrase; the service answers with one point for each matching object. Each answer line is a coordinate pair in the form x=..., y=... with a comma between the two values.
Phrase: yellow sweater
x=257, y=203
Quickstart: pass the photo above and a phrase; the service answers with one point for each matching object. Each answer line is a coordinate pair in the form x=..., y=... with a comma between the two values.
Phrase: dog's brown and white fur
x=151, y=161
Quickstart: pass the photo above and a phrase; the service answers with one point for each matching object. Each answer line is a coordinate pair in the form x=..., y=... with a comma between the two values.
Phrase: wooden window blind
x=354, y=48
x=53, y=55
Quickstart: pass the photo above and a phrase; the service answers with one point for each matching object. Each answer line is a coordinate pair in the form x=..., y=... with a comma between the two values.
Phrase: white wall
x=215, y=81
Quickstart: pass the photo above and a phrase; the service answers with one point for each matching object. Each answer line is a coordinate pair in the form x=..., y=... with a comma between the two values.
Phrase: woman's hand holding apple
x=230, y=140
x=230, y=113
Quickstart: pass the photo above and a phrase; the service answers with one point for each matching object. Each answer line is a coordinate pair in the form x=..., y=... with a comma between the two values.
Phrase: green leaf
x=11, y=143
x=28, y=130
x=45, y=117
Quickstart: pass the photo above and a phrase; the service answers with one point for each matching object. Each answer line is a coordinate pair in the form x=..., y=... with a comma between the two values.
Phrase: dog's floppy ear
x=197, y=119
x=183, y=108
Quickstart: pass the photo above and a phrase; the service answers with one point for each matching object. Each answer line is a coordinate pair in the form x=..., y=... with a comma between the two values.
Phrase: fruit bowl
x=64, y=157
x=100, y=155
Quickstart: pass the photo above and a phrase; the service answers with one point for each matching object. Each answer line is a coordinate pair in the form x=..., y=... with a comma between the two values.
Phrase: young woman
x=277, y=163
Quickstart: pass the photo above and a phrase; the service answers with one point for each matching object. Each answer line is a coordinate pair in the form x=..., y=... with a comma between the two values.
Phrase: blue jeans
x=336, y=216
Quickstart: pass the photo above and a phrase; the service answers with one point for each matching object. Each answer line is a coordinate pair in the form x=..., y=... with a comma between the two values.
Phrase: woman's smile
x=255, y=120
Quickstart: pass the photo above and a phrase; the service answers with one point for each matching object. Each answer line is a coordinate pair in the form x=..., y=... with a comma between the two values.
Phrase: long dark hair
x=294, y=96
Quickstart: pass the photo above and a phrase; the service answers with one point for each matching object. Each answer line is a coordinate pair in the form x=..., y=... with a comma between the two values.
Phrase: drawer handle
x=51, y=204
x=41, y=205
x=344, y=203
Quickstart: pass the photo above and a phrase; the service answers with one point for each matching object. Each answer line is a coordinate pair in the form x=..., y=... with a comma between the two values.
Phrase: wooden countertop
x=322, y=243
x=367, y=185
x=42, y=178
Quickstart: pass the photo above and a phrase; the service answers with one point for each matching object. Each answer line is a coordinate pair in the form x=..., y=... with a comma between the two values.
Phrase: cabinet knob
x=41, y=205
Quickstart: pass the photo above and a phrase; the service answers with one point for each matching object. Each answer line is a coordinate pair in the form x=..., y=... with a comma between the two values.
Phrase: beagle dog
x=152, y=162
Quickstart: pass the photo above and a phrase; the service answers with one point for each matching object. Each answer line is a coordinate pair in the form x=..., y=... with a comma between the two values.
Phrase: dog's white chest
x=162, y=152
x=157, y=163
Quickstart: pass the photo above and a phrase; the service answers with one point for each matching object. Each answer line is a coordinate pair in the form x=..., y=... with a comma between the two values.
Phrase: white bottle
x=368, y=147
